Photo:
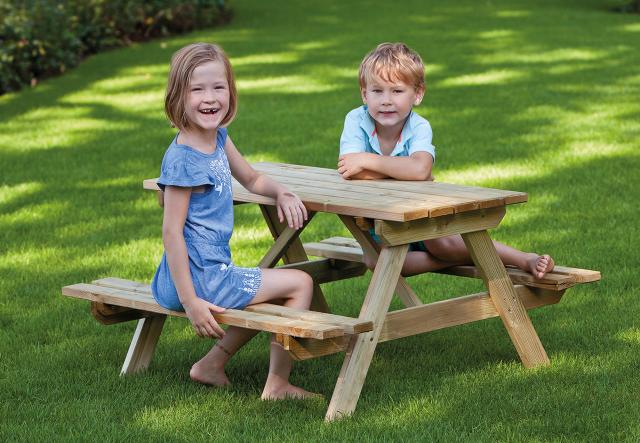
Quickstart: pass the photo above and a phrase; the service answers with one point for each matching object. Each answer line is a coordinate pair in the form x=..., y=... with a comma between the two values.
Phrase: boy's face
x=390, y=103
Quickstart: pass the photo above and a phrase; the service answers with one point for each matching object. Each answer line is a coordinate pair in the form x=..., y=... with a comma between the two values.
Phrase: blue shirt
x=359, y=135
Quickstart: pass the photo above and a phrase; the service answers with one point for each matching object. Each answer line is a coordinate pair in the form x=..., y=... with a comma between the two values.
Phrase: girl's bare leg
x=452, y=249
x=209, y=370
x=296, y=289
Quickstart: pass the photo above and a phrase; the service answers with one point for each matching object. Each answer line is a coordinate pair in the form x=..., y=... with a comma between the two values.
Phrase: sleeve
x=352, y=138
x=221, y=137
x=421, y=140
x=184, y=170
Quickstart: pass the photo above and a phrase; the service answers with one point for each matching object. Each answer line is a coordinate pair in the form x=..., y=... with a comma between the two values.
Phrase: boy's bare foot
x=539, y=265
x=208, y=374
x=278, y=389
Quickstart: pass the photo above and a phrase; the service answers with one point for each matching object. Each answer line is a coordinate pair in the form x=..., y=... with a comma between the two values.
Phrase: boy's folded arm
x=415, y=167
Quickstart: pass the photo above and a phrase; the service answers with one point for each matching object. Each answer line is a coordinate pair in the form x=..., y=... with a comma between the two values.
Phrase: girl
x=196, y=273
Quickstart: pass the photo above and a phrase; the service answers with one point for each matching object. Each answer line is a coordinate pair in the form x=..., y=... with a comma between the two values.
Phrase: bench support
x=143, y=344
x=506, y=301
x=368, y=244
x=293, y=252
x=362, y=346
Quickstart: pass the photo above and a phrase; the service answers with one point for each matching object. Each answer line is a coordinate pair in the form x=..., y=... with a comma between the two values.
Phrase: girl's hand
x=291, y=207
x=199, y=313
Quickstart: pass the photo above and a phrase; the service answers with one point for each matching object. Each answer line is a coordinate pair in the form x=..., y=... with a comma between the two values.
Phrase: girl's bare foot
x=539, y=265
x=278, y=389
x=208, y=374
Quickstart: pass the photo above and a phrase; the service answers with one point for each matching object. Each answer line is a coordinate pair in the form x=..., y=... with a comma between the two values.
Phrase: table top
x=325, y=190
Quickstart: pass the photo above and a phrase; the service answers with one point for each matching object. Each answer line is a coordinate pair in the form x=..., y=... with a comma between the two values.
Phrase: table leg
x=362, y=346
x=294, y=253
x=504, y=297
x=371, y=248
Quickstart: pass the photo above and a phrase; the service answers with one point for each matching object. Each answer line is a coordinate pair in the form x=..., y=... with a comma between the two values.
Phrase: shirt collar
x=369, y=127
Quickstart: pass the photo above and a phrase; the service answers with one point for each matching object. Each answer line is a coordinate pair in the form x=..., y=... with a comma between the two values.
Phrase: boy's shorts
x=415, y=246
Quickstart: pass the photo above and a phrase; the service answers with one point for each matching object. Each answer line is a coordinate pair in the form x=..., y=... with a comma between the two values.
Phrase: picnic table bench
x=400, y=213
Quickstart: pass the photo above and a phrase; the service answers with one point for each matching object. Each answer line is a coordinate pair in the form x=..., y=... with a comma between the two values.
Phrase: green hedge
x=39, y=38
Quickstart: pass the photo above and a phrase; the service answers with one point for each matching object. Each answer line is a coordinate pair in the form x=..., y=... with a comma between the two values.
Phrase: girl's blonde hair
x=183, y=63
x=392, y=62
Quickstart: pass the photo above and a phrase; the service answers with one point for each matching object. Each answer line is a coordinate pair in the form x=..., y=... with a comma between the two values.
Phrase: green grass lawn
x=534, y=96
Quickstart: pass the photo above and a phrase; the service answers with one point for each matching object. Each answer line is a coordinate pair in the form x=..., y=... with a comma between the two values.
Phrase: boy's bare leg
x=209, y=370
x=417, y=262
x=452, y=249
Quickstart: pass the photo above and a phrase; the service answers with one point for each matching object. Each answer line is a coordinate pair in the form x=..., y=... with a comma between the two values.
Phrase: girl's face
x=207, y=96
x=389, y=104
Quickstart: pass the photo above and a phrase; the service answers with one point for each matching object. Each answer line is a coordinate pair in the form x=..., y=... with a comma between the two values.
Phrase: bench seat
x=114, y=300
x=561, y=278
x=264, y=316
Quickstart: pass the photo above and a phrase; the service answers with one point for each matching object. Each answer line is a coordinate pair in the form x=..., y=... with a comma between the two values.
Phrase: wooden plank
x=275, y=253
x=393, y=233
x=294, y=253
x=110, y=315
x=457, y=311
x=328, y=270
x=321, y=249
x=232, y=317
x=348, y=324
x=362, y=346
x=403, y=290
x=143, y=344
x=562, y=277
x=512, y=311
x=427, y=187
x=424, y=318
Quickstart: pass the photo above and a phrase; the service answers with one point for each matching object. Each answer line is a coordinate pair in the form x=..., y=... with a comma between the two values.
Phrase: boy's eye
x=398, y=91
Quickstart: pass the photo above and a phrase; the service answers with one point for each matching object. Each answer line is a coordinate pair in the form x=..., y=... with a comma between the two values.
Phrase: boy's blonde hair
x=392, y=62
x=183, y=63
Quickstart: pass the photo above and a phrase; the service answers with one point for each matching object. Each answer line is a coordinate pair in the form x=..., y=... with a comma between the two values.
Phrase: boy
x=386, y=139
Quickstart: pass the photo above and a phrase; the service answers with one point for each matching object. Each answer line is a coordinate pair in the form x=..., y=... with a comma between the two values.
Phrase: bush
x=40, y=38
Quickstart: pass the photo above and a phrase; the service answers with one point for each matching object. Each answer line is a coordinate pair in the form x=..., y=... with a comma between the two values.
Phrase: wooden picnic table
x=401, y=212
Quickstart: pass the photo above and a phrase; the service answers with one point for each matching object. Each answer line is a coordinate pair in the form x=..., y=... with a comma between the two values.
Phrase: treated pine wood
x=425, y=318
x=562, y=277
x=362, y=346
x=403, y=290
x=512, y=311
x=393, y=233
x=232, y=317
x=329, y=270
x=143, y=344
x=324, y=190
x=109, y=314
x=282, y=170
x=275, y=253
x=294, y=253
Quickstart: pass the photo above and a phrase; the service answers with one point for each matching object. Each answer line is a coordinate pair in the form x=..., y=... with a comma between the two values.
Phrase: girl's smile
x=208, y=97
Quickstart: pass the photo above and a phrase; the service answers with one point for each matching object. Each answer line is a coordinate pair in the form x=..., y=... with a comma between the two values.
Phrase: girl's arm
x=362, y=165
x=176, y=206
x=289, y=205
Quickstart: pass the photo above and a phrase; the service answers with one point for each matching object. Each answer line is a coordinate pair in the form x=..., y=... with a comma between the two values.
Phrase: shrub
x=40, y=38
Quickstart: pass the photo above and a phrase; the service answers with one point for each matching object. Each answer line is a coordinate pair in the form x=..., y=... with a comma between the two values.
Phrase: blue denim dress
x=207, y=230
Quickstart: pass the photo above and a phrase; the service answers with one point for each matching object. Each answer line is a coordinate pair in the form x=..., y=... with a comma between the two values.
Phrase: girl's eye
x=220, y=87
x=196, y=89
